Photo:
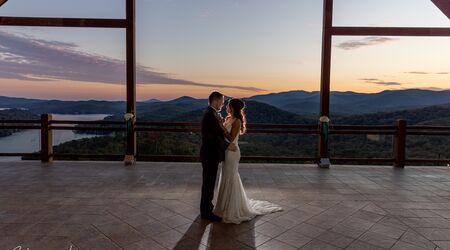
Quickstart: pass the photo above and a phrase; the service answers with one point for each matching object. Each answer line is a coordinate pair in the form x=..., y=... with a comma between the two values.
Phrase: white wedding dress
x=232, y=202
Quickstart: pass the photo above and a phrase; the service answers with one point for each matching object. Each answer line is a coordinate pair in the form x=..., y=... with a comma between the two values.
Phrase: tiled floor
x=87, y=205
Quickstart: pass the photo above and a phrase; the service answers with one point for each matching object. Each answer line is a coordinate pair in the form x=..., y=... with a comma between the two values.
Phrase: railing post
x=324, y=127
x=325, y=75
x=399, y=144
x=131, y=77
x=46, y=138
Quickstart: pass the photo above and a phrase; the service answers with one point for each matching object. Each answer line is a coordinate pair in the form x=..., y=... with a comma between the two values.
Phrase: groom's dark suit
x=212, y=152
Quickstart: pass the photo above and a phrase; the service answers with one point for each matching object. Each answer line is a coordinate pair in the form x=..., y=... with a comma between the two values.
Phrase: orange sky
x=218, y=43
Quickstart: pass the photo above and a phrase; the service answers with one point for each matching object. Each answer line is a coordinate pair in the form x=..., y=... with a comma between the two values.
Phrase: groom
x=212, y=152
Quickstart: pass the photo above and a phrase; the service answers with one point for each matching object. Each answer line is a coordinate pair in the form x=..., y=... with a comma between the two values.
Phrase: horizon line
x=271, y=93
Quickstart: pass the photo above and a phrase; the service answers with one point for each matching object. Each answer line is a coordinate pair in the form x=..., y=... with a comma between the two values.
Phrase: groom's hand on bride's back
x=232, y=147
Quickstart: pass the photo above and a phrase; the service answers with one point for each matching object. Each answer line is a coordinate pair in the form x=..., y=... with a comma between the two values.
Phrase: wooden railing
x=400, y=130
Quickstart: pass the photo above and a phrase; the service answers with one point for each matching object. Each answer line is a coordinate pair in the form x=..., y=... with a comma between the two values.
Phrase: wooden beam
x=326, y=71
x=326, y=58
x=62, y=22
x=131, y=72
x=399, y=144
x=46, y=138
x=388, y=31
x=444, y=6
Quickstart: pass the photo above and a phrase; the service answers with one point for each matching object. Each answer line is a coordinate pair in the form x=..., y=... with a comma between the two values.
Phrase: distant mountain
x=433, y=115
x=164, y=110
x=151, y=100
x=187, y=100
x=38, y=106
x=264, y=113
x=284, y=98
x=300, y=102
x=256, y=113
x=78, y=107
x=17, y=102
x=17, y=114
x=161, y=143
x=179, y=105
x=356, y=103
x=437, y=122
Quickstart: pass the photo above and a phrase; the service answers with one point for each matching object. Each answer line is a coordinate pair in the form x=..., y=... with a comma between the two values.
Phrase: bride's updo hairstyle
x=238, y=111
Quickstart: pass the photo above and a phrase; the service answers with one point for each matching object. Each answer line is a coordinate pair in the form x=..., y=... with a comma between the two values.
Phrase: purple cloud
x=380, y=82
x=28, y=58
x=369, y=41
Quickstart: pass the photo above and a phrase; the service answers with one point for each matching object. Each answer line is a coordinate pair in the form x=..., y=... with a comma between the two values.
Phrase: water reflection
x=28, y=141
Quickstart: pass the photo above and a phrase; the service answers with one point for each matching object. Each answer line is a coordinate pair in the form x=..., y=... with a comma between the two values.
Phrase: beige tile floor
x=105, y=205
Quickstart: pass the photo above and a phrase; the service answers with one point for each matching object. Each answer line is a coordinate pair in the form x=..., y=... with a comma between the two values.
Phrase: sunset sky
x=240, y=47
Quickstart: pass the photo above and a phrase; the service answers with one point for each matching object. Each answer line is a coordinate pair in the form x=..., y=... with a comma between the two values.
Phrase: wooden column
x=131, y=72
x=326, y=70
x=46, y=138
x=399, y=144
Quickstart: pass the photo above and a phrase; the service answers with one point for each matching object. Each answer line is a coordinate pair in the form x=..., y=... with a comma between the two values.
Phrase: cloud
x=434, y=88
x=369, y=41
x=427, y=73
x=368, y=79
x=380, y=82
x=28, y=58
x=418, y=73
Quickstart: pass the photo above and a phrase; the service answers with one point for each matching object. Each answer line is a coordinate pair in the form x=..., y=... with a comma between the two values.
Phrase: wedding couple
x=220, y=144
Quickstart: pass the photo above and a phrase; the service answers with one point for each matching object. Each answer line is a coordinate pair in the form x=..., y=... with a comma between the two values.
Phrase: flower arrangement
x=324, y=119
x=129, y=116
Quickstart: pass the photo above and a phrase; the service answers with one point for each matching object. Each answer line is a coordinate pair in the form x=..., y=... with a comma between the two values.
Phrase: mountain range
x=299, y=102
x=416, y=106
x=341, y=146
x=356, y=103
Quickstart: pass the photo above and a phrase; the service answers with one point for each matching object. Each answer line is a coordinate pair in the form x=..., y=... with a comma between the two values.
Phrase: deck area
x=106, y=205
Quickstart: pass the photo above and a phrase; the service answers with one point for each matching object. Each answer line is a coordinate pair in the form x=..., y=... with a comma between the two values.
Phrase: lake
x=28, y=141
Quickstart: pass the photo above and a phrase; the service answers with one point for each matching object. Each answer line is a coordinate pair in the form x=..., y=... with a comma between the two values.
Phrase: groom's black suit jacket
x=213, y=139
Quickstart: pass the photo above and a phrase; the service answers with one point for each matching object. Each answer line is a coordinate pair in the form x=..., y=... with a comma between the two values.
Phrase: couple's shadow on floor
x=203, y=234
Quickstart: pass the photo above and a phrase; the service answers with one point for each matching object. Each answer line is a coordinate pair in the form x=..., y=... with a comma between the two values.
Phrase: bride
x=232, y=202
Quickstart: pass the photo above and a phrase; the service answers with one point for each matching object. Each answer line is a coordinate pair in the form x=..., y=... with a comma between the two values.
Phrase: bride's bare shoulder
x=237, y=122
